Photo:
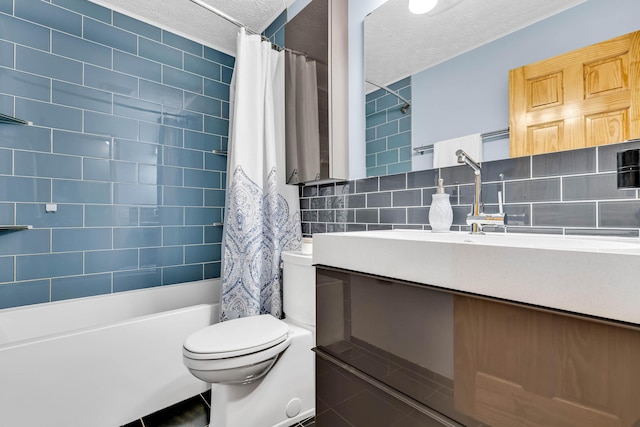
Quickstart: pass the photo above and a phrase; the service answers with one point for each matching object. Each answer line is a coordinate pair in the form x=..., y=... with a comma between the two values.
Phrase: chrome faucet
x=477, y=219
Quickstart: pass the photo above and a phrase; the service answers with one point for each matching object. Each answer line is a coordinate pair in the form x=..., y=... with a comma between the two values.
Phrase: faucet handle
x=482, y=219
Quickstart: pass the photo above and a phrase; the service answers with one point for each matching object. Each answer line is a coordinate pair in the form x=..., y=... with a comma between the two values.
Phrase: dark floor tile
x=418, y=419
x=366, y=409
x=192, y=412
x=334, y=387
x=331, y=419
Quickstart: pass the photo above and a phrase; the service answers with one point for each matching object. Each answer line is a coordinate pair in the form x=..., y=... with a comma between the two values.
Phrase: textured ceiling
x=193, y=21
x=400, y=43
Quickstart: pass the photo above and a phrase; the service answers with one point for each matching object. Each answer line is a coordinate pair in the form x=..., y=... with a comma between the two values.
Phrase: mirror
x=452, y=65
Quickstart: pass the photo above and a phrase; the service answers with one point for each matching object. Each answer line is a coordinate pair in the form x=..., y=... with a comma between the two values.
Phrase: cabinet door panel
x=519, y=366
x=502, y=403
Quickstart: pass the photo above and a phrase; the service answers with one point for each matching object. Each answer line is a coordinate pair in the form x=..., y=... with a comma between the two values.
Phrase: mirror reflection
x=452, y=65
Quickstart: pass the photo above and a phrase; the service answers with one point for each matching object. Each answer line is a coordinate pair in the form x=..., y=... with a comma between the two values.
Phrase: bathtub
x=101, y=361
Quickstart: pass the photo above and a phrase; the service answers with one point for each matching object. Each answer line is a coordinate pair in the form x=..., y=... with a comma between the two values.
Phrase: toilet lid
x=236, y=337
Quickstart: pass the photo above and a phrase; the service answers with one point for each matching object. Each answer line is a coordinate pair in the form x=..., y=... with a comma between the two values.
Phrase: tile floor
x=193, y=412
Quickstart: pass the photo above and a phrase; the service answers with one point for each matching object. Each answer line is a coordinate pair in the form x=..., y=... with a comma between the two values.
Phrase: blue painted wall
x=125, y=117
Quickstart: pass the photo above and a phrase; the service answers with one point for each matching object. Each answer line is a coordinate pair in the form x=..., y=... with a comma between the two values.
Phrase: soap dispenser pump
x=440, y=212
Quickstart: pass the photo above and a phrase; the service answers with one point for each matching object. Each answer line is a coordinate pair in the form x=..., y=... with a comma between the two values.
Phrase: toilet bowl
x=236, y=352
x=261, y=368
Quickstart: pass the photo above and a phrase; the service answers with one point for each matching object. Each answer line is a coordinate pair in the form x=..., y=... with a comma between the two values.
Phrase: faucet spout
x=464, y=158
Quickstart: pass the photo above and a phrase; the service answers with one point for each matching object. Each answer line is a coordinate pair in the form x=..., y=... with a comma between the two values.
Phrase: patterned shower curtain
x=262, y=216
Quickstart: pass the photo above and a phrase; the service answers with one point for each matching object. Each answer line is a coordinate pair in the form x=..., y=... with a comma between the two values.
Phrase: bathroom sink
x=540, y=241
x=596, y=276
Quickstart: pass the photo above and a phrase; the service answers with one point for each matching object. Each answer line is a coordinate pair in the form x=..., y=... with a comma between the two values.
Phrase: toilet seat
x=235, y=338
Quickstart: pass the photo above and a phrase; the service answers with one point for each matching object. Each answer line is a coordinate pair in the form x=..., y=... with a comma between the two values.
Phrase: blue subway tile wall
x=125, y=116
x=572, y=193
x=275, y=31
x=388, y=130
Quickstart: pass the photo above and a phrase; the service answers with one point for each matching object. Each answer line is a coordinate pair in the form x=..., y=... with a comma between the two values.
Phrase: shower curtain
x=262, y=216
x=303, y=127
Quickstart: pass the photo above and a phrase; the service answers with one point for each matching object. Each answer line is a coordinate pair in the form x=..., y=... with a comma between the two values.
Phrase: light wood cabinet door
x=587, y=97
x=517, y=366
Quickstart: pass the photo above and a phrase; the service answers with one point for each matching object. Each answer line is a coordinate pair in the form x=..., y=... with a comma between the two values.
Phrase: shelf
x=13, y=120
x=15, y=227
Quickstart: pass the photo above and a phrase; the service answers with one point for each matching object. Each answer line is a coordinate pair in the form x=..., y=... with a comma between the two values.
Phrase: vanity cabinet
x=398, y=353
x=587, y=97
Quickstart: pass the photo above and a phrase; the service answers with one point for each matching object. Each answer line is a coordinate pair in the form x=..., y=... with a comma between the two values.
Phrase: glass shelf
x=15, y=227
x=13, y=120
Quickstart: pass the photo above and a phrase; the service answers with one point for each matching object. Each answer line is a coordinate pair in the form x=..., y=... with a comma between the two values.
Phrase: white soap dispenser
x=440, y=212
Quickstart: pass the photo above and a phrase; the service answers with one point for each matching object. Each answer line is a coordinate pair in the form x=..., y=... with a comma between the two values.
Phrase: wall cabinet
x=317, y=124
x=583, y=98
x=395, y=353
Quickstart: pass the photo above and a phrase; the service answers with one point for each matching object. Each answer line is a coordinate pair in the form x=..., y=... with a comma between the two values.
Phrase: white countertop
x=586, y=275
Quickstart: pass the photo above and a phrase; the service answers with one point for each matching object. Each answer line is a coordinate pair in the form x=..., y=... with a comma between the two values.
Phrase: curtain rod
x=224, y=16
x=239, y=24
x=406, y=105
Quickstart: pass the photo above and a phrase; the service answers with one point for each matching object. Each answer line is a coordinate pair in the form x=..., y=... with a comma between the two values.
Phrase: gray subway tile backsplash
x=604, y=232
x=326, y=190
x=379, y=200
x=318, y=203
x=326, y=216
x=356, y=201
x=367, y=185
x=507, y=169
x=572, y=193
x=407, y=198
x=564, y=163
x=393, y=182
x=417, y=215
x=624, y=214
x=457, y=175
x=594, y=187
x=541, y=190
x=335, y=202
x=607, y=154
x=345, y=215
x=336, y=228
x=393, y=216
x=367, y=216
x=564, y=214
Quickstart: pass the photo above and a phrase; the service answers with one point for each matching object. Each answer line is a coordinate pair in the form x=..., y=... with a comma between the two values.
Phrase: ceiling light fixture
x=420, y=7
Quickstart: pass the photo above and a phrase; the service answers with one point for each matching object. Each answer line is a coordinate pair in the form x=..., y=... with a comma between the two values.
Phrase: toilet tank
x=299, y=288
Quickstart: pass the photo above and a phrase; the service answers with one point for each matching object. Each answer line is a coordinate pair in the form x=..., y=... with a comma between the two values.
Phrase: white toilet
x=262, y=369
